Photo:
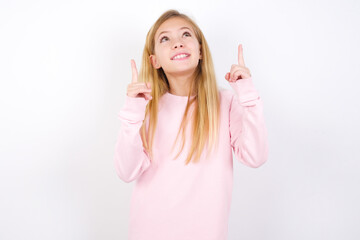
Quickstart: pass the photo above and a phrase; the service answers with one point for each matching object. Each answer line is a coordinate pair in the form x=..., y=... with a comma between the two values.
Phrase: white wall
x=64, y=69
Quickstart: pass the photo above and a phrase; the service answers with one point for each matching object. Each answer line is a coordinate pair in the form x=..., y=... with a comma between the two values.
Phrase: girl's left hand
x=238, y=71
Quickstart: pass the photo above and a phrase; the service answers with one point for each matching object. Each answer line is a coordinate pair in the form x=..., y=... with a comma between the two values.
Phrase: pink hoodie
x=174, y=201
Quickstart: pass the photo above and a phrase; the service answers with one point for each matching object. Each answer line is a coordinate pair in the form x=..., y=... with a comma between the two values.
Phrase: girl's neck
x=180, y=84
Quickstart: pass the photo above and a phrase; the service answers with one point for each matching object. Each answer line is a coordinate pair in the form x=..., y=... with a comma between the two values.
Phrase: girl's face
x=176, y=36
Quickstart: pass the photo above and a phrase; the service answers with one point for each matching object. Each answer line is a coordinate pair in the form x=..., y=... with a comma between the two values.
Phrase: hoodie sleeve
x=131, y=159
x=248, y=134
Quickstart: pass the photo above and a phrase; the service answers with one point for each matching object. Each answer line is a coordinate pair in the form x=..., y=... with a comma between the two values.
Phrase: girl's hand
x=238, y=71
x=138, y=89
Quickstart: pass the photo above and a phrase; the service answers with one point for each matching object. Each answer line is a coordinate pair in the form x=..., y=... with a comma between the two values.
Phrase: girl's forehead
x=173, y=24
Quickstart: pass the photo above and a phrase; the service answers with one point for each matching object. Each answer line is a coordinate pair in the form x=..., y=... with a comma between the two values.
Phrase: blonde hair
x=205, y=122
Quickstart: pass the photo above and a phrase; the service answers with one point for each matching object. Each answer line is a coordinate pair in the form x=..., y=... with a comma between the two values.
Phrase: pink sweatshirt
x=174, y=201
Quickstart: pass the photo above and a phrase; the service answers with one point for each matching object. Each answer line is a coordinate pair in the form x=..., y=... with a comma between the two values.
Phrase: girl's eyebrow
x=179, y=29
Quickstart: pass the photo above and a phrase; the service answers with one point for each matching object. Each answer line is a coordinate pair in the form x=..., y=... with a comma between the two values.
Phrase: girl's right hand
x=138, y=89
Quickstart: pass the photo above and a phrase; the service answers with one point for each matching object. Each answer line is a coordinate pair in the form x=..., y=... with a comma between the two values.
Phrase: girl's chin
x=184, y=70
x=182, y=66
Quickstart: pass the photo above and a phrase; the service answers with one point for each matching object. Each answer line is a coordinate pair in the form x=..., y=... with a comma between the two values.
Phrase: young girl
x=185, y=196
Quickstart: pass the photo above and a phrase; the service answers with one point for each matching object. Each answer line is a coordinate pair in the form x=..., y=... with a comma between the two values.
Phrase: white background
x=64, y=69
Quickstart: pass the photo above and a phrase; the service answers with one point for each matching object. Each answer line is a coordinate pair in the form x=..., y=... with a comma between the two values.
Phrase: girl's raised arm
x=248, y=133
x=131, y=159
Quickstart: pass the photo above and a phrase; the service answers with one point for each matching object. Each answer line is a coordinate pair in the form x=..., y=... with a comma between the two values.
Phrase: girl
x=185, y=196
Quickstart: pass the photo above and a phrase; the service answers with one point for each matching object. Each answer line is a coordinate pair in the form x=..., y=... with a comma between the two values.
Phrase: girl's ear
x=200, y=54
x=154, y=62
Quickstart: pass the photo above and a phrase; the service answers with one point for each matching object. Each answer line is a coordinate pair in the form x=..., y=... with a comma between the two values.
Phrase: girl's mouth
x=181, y=57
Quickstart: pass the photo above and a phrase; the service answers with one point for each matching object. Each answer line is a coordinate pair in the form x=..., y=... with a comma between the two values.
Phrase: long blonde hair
x=205, y=122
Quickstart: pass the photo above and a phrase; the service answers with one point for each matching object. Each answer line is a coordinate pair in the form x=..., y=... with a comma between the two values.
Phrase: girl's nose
x=178, y=44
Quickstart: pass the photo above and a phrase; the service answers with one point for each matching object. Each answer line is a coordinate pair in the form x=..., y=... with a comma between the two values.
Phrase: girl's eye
x=187, y=33
x=162, y=38
x=183, y=34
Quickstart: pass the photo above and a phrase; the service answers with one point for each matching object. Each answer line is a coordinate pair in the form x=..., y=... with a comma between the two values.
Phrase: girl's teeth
x=180, y=56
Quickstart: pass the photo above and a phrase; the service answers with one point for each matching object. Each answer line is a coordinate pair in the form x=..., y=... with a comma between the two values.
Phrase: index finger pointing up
x=241, y=56
x=134, y=71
